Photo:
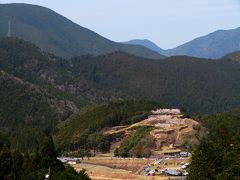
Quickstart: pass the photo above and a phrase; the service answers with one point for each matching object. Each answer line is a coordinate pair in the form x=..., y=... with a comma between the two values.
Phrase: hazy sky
x=166, y=22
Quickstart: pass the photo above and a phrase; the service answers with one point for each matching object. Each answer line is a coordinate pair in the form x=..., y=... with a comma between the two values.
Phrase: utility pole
x=9, y=33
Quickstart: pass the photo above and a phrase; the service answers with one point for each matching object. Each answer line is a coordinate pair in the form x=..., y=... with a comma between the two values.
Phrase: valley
x=75, y=105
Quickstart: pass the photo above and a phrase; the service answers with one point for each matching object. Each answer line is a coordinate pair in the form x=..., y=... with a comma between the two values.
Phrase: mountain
x=58, y=35
x=146, y=43
x=39, y=90
x=197, y=85
x=213, y=46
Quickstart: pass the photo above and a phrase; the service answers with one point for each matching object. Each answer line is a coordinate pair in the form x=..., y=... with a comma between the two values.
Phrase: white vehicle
x=47, y=176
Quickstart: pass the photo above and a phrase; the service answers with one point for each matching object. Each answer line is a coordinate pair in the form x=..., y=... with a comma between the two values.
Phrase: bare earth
x=103, y=168
x=98, y=172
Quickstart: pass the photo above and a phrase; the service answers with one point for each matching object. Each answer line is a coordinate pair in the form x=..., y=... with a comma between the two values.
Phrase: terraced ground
x=169, y=128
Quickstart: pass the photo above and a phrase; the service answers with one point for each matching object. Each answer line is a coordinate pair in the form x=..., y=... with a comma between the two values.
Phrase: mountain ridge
x=146, y=43
x=56, y=34
x=211, y=46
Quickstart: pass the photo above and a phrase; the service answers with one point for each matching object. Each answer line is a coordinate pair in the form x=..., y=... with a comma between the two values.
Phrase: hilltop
x=127, y=123
x=167, y=128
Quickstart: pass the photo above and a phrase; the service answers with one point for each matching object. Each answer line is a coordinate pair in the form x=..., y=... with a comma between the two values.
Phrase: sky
x=168, y=23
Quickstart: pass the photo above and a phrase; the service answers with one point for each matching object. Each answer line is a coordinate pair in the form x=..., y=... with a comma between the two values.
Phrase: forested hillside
x=234, y=57
x=28, y=112
x=82, y=129
x=51, y=88
x=197, y=85
x=218, y=155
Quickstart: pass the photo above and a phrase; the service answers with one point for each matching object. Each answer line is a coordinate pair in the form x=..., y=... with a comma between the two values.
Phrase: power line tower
x=9, y=33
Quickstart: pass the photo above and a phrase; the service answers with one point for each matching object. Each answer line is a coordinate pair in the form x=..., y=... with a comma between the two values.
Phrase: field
x=109, y=168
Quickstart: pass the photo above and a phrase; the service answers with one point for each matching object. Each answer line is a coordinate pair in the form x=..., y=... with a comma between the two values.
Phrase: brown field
x=109, y=168
x=133, y=165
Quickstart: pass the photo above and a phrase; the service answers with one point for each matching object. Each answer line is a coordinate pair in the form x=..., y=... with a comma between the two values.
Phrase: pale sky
x=168, y=23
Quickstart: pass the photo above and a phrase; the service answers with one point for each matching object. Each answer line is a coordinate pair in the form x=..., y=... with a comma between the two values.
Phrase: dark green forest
x=218, y=155
x=21, y=166
x=84, y=129
x=196, y=85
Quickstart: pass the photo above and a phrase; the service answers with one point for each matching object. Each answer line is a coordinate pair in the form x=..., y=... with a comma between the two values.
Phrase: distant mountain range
x=213, y=46
x=146, y=43
x=58, y=35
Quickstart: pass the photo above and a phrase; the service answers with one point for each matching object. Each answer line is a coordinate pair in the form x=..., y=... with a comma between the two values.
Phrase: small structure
x=73, y=161
x=184, y=167
x=152, y=173
x=184, y=154
x=67, y=160
x=172, y=153
x=173, y=172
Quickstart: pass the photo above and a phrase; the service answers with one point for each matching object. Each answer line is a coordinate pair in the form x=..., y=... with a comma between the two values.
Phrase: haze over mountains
x=58, y=35
x=212, y=46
